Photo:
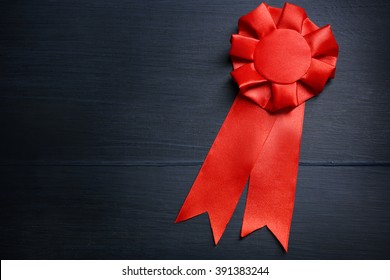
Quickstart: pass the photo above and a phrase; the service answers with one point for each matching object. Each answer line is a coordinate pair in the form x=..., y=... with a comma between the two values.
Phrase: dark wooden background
x=108, y=109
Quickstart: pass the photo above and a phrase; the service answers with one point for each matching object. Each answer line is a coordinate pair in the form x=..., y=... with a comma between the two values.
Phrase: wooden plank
x=108, y=108
x=116, y=212
x=140, y=81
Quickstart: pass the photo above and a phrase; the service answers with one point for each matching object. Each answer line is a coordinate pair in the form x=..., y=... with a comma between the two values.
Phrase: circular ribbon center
x=283, y=56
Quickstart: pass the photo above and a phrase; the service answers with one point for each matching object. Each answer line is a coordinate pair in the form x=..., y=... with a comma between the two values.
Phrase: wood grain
x=128, y=212
x=108, y=108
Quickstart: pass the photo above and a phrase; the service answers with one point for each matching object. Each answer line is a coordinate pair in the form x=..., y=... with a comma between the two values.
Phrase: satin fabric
x=280, y=60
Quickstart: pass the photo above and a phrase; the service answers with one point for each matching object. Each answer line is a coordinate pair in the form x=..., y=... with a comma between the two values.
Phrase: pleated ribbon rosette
x=280, y=60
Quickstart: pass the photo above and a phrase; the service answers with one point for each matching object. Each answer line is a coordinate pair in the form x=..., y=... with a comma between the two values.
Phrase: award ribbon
x=280, y=60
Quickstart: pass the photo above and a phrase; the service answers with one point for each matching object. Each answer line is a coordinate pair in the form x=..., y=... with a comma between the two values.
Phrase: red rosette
x=280, y=57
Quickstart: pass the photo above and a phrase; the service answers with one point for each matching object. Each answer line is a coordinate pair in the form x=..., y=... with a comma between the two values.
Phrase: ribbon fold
x=280, y=60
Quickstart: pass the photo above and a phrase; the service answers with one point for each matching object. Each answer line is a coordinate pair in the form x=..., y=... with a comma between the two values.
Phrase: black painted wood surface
x=108, y=109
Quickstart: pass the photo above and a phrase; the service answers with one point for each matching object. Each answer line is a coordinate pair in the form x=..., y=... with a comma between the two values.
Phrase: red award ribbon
x=280, y=60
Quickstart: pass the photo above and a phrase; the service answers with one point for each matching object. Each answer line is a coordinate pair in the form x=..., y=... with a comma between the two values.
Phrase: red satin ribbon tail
x=218, y=219
x=272, y=182
x=279, y=226
x=207, y=196
x=226, y=169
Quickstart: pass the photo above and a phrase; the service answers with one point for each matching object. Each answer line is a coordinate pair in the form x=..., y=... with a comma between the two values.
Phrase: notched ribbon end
x=216, y=229
x=282, y=235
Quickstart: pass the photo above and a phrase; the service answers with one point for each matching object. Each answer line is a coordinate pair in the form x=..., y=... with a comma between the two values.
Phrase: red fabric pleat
x=242, y=46
x=247, y=76
x=257, y=23
x=292, y=17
